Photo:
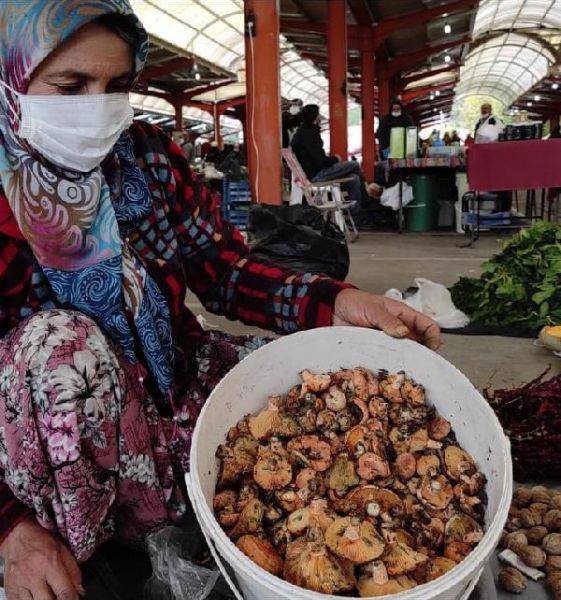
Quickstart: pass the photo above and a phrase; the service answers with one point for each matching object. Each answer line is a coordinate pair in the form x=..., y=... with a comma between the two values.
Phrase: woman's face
x=94, y=60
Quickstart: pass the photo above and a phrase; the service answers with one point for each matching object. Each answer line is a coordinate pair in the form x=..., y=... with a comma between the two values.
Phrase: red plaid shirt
x=183, y=244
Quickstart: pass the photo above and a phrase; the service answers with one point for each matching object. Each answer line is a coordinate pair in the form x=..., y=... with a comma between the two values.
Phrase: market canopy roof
x=516, y=45
x=211, y=33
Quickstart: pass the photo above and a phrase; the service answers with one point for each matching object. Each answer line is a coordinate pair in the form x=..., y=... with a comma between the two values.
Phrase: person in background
x=447, y=139
x=188, y=147
x=291, y=120
x=397, y=117
x=455, y=139
x=307, y=145
x=488, y=118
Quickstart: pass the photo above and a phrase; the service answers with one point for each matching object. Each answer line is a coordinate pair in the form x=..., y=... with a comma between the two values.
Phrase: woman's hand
x=354, y=307
x=38, y=566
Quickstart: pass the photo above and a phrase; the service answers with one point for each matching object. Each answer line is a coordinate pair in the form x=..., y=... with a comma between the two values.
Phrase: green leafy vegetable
x=520, y=286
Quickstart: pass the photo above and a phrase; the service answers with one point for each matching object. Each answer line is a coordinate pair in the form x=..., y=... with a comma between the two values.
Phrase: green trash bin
x=422, y=213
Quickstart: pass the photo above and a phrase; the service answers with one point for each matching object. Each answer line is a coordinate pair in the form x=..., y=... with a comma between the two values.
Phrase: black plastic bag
x=298, y=237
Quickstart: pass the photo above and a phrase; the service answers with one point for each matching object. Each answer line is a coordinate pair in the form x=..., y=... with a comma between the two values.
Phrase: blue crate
x=236, y=199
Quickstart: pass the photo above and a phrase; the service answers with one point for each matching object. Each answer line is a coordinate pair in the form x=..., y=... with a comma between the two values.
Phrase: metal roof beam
x=361, y=11
x=385, y=28
x=426, y=90
x=414, y=58
x=170, y=66
x=408, y=80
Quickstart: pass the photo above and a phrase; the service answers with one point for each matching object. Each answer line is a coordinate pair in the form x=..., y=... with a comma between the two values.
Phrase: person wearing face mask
x=307, y=145
x=291, y=120
x=397, y=117
x=103, y=368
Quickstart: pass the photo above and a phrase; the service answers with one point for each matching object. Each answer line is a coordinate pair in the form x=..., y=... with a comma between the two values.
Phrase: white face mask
x=396, y=113
x=294, y=110
x=74, y=132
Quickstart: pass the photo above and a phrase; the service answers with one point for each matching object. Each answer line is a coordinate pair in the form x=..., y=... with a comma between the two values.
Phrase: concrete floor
x=384, y=260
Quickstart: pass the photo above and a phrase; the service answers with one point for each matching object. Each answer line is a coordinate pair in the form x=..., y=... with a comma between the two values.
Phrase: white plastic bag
x=435, y=301
x=390, y=196
x=489, y=132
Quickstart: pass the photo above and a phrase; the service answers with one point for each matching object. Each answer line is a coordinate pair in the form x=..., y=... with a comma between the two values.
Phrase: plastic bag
x=433, y=300
x=298, y=237
x=489, y=131
x=390, y=196
x=175, y=577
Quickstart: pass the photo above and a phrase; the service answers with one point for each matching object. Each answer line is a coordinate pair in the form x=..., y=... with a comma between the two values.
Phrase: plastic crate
x=236, y=200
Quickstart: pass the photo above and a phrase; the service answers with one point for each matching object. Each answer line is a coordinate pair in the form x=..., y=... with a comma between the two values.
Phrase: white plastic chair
x=317, y=194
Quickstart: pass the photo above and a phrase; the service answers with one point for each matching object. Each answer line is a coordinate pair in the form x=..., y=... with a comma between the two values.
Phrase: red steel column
x=263, y=117
x=178, y=106
x=384, y=95
x=337, y=76
x=367, y=66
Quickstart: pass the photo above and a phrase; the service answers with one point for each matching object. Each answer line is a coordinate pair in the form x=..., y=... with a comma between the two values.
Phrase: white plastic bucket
x=274, y=368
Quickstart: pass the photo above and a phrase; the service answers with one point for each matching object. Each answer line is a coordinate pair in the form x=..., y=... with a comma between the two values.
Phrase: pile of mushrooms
x=350, y=483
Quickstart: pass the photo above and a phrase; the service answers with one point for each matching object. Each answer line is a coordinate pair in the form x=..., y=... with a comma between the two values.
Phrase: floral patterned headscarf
x=76, y=223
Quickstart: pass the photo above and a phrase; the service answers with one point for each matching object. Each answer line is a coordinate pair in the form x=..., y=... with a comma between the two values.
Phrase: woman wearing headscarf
x=103, y=369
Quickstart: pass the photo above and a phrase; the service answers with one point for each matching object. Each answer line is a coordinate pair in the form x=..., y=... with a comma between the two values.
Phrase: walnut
x=532, y=556
x=512, y=580
x=515, y=540
x=536, y=534
x=551, y=543
x=541, y=494
x=530, y=518
x=522, y=497
x=552, y=520
x=553, y=563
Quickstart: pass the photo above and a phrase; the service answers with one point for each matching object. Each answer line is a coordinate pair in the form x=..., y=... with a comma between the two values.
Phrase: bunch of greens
x=520, y=286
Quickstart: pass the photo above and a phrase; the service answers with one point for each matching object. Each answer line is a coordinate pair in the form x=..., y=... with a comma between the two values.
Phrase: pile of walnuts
x=533, y=533
x=350, y=482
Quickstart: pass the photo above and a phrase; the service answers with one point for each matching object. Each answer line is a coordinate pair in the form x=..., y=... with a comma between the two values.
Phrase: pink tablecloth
x=524, y=165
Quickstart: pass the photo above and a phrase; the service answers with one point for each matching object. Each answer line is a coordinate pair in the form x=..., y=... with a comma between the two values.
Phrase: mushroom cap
x=226, y=498
x=458, y=462
x=368, y=588
x=272, y=422
x=237, y=459
x=389, y=502
x=457, y=551
x=289, y=499
x=357, y=542
x=357, y=435
x=439, y=429
x=437, y=492
x=371, y=466
x=418, y=440
x=316, y=451
x=315, y=382
x=261, y=552
x=272, y=471
x=342, y=474
x=462, y=528
x=310, y=565
x=401, y=559
x=405, y=465
x=428, y=464
x=250, y=519
x=436, y=567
